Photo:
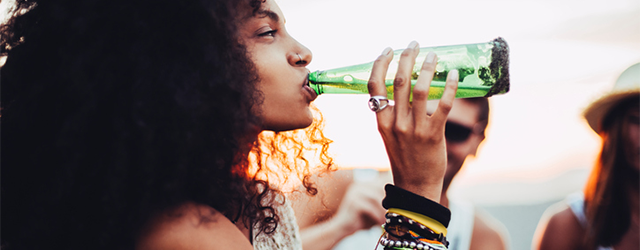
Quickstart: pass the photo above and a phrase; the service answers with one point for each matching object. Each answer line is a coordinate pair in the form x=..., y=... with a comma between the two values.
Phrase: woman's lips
x=309, y=92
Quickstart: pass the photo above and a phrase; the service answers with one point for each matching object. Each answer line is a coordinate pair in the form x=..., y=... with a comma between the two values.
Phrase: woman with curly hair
x=159, y=125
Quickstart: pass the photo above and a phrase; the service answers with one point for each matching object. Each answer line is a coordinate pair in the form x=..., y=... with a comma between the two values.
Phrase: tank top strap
x=576, y=203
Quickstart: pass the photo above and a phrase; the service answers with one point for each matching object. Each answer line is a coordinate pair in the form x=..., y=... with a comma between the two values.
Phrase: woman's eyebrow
x=270, y=14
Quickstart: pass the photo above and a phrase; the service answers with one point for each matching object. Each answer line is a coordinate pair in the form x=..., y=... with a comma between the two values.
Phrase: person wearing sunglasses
x=348, y=212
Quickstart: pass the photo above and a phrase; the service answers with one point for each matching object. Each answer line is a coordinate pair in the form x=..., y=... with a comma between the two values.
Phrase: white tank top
x=576, y=203
x=461, y=225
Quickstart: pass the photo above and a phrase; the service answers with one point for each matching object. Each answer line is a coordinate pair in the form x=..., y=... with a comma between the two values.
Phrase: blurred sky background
x=564, y=54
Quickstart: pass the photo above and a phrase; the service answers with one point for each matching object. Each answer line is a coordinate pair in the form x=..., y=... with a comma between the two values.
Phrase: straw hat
x=627, y=85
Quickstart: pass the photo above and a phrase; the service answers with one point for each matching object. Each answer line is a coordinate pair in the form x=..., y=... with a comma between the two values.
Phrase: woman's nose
x=301, y=57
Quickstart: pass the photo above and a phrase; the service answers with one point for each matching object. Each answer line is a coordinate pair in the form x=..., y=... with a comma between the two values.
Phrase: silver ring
x=299, y=57
x=378, y=103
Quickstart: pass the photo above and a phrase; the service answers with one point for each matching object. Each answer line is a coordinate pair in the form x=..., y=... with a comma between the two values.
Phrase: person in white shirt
x=347, y=213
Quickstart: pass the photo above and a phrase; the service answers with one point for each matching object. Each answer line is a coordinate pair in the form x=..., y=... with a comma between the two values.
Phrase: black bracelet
x=399, y=198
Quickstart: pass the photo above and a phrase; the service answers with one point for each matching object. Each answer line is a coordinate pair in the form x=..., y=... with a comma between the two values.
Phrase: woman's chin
x=287, y=123
x=282, y=127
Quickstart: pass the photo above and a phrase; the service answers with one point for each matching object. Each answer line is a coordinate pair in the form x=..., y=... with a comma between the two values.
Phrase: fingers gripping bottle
x=483, y=70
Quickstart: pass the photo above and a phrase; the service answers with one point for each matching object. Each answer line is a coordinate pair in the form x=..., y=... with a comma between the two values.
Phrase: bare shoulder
x=558, y=229
x=331, y=189
x=488, y=232
x=191, y=226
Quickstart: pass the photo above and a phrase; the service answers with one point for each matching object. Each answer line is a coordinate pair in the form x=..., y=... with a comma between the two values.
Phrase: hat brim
x=596, y=112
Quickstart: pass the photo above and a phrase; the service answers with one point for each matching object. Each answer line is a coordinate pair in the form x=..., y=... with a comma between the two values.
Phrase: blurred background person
x=605, y=215
x=348, y=212
x=516, y=175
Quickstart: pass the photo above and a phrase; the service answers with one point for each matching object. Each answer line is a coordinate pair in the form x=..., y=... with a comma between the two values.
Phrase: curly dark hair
x=114, y=110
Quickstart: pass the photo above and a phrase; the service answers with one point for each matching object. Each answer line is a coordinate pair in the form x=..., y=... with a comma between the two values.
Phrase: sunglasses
x=455, y=132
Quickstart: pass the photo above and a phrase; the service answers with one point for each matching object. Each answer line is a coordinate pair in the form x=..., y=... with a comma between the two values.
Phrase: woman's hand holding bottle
x=413, y=139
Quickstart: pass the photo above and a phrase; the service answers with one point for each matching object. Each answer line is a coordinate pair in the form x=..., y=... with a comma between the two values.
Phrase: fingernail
x=453, y=75
x=431, y=57
x=386, y=51
x=413, y=45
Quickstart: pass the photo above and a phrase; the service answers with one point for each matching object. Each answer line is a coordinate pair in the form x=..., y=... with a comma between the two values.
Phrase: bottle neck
x=313, y=82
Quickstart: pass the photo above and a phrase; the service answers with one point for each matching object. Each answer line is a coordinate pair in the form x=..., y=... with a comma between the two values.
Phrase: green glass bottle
x=483, y=70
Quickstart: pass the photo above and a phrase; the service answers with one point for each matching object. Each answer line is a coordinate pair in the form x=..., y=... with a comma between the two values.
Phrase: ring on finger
x=378, y=103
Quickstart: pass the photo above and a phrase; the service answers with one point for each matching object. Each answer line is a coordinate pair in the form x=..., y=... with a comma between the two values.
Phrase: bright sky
x=563, y=55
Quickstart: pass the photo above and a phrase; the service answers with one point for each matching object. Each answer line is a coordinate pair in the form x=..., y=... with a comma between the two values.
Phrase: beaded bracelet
x=422, y=219
x=409, y=233
x=406, y=245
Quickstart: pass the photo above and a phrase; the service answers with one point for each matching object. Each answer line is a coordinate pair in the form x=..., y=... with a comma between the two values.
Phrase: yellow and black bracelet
x=413, y=222
x=402, y=199
x=405, y=233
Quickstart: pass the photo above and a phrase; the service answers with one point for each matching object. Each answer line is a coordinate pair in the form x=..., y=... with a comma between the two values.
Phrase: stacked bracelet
x=402, y=199
x=407, y=225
